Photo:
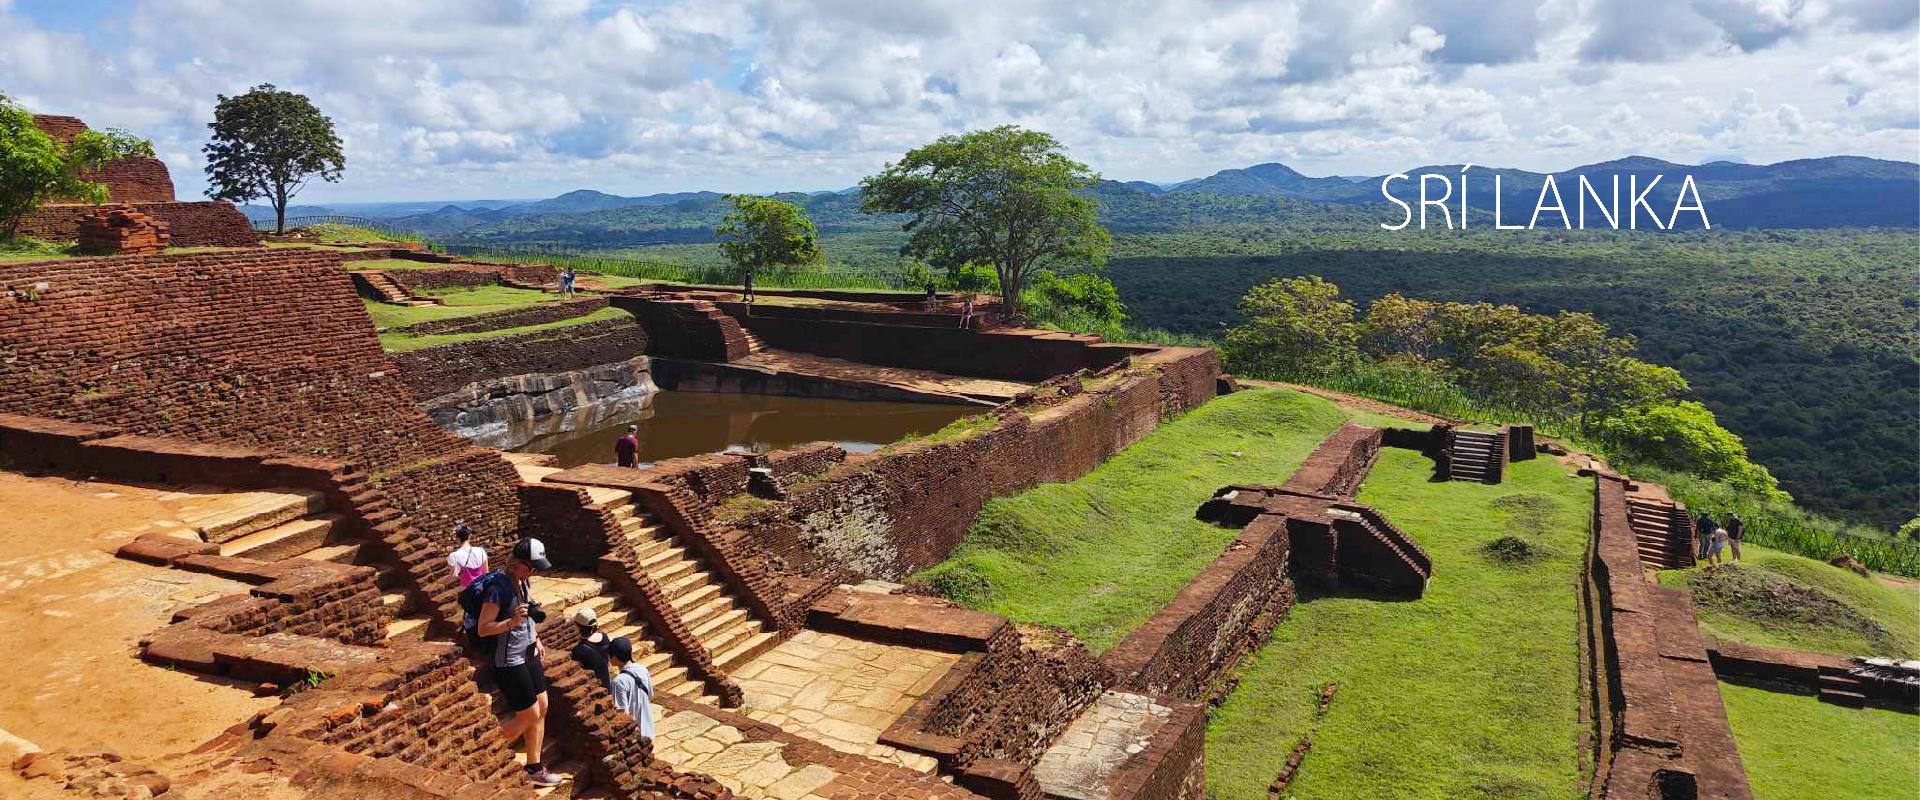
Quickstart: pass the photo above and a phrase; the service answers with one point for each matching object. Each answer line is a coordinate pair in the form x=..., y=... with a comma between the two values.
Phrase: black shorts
x=521, y=685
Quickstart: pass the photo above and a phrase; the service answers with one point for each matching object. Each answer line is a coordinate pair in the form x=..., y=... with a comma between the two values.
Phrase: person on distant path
x=566, y=282
x=746, y=287
x=933, y=300
x=632, y=685
x=509, y=615
x=469, y=560
x=591, y=652
x=1735, y=529
x=966, y=314
x=1703, y=527
x=626, y=451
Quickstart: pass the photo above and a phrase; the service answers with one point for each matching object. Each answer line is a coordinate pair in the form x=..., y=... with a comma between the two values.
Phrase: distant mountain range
x=1838, y=191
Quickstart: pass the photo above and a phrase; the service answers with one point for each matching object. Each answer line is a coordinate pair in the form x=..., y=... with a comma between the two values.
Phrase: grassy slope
x=1797, y=748
x=1100, y=555
x=1896, y=610
x=1471, y=691
x=461, y=302
x=400, y=343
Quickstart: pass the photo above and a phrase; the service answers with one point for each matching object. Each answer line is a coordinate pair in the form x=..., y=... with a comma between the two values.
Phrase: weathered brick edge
x=511, y=318
x=191, y=224
x=990, y=717
x=1338, y=465
x=432, y=373
x=1173, y=765
x=691, y=329
x=1660, y=728
x=1225, y=612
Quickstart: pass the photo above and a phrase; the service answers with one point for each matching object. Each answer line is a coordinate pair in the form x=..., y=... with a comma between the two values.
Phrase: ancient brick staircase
x=1476, y=456
x=718, y=619
x=754, y=345
x=1662, y=531
x=1841, y=688
x=382, y=287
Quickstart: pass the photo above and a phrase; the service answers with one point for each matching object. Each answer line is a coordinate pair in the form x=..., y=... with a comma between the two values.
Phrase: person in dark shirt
x=508, y=616
x=591, y=652
x=932, y=299
x=626, y=451
x=1735, y=528
x=1703, y=528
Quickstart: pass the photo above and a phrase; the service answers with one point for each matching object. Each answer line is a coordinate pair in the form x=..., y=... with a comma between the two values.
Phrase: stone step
x=696, y=615
x=684, y=689
x=655, y=661
x=696, y=594
x=667, y=677
x=407, y=629
x=336, y=553
x=673, y=573
x=661, y=555
x=646, y=546
x=632, y=631
x=715, y=622
x=744, y=651
x=397, y=602
x=267, y=511
x=724, y=638
x=285, y=540
x=616, y=618
x=1843, y=698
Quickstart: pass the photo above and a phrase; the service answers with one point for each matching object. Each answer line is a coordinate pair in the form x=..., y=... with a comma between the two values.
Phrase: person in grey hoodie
x=632, y=685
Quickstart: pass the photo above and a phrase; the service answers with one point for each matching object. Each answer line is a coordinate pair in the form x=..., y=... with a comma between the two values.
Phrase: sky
x=471, y=99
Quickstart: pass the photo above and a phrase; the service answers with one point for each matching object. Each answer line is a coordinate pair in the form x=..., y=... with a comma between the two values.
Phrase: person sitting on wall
x=591, y=652
x=966, y=314
x=626, y=450
x=509, y=616
x=469, y=561
x=632, y=685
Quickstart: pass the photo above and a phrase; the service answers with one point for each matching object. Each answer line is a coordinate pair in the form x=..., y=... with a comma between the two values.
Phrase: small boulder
x=1850, y=564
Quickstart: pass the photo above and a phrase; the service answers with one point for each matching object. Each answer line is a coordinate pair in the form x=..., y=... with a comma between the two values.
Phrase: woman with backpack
x=502, y=626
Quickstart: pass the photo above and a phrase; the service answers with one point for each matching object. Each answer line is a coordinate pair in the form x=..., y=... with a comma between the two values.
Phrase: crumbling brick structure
x=120, y=230
x=146, y=184
x=142, y=179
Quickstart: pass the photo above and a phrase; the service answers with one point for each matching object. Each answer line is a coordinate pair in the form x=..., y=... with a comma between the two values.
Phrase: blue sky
x=454, y=99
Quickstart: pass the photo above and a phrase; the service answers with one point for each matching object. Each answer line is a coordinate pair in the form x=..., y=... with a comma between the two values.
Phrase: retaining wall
x=193, y=224
x=905, y=507
x=1018, y=355
x=434, y=371
x=1339, y=464
x=537, y=314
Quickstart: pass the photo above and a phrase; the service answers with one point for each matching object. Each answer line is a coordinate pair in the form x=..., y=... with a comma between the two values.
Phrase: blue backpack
x=471, y=600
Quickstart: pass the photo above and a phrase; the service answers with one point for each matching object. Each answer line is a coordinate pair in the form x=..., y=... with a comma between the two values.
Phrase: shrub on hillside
x=1686, y=437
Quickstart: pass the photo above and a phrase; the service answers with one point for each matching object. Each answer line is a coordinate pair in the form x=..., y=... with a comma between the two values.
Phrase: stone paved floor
x=841, y=692
x=753, y=770
x=1116, y=726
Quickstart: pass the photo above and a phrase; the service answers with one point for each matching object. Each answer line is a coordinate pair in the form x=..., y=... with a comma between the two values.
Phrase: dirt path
x=77, y=614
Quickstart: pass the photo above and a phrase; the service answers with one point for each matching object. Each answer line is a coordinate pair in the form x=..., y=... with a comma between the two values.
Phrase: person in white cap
x=508, y=617
x=591, y=652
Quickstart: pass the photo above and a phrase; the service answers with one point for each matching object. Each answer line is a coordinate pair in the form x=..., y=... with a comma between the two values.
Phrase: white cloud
x=444, y=98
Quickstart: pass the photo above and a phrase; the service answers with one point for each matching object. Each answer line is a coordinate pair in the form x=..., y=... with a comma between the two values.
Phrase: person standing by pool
x=626, y=451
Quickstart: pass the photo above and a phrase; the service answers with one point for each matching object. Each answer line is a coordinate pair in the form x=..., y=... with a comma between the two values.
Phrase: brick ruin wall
x=537, y=314
x=133, y=180
x=191, y=224
x=1225, y=612
x=266, y=349
x=691, y=329
x=1339, y=464
x=904, y=509
x=1002, y=354
x=435, y=371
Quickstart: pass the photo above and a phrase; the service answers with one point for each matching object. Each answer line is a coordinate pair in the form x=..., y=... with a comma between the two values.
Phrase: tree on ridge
x=762, y=232
x=1005, y=196
x=268, y=143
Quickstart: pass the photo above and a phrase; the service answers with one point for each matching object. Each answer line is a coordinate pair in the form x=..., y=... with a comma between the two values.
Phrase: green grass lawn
x=459, y=302
x=400, y=342
x=25, y=248
x=1783, y=600
x=1797, y=748
x=389, y=263
x=1472, y=691
x=1101, y=554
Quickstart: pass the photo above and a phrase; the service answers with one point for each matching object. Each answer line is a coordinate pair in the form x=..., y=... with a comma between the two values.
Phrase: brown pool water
x=678, y=424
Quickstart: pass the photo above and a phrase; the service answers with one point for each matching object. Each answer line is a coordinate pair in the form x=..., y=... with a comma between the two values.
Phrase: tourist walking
x=1735, y=529
x=746, y=286
x=966, y=314
x=1703, y=527
x=933, y=300
x=626, y=450
x=1719, y=543
x=591, y=652
x=632, y=685
x=508, y=617
x=469, y=560
x=566, y=282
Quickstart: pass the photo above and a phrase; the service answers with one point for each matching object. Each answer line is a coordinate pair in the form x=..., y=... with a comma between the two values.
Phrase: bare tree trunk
x=280, y=212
